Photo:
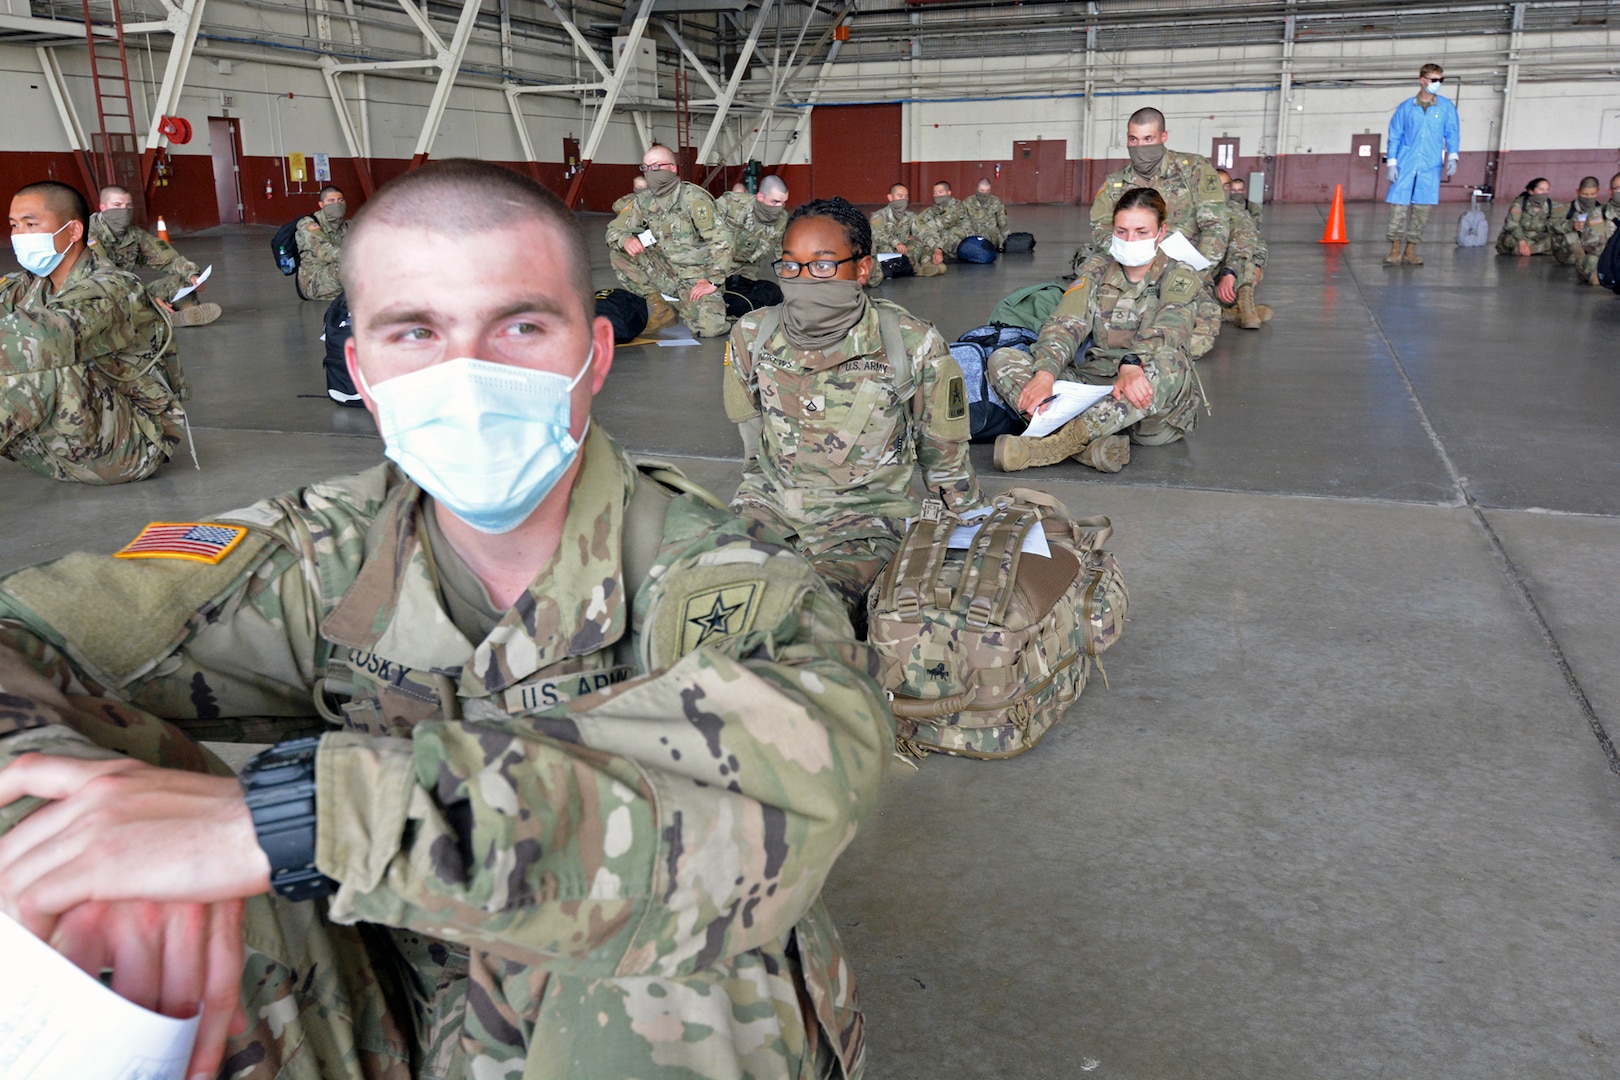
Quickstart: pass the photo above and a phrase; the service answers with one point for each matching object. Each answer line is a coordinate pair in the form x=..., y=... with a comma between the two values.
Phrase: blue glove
x=1451, y=166
x=1394, y=171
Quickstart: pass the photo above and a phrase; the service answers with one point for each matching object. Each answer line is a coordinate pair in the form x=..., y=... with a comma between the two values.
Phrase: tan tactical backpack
x=986, y=648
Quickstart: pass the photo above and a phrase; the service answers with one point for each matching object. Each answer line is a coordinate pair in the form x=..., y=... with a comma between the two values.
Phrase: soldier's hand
x=1227, y=289
x=1524, y=247
x=1036, y=391
x=901, y=248
x=702, y=289
x=1133, y=386
x=169, y=958
x=123, y=830
x=939, y=257
x=165, y=305
x=634, y=247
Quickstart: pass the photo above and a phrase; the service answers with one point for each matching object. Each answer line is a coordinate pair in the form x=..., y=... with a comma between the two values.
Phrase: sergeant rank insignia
x=188, y=540
x=716, y=614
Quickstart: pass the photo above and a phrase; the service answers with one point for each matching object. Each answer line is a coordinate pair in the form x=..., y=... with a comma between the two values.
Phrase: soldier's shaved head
x=112, y=191
x=659, y=152
x=64, y=202
x=899, y=191
x=459, y=195
x=773, y=186
x=1144, y=117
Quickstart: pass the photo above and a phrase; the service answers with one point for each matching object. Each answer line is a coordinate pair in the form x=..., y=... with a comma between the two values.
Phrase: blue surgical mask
x=1435, y=88
x=37, y=251
x=488, y=441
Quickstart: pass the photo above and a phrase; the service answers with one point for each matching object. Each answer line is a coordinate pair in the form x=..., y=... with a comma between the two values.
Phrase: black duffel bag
x=745, y=294
x=625, y=310
x=1018, y=243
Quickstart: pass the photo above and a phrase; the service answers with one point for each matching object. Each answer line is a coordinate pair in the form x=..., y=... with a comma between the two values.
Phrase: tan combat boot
x=1412, y=257
x=198, y=314
x=1110, y=453
x=1394, y=256
x=1229, y=314
x=659, y=314
x=1265, y=311
x=1014, y=453
x=1248, y=318
x=1592, y=279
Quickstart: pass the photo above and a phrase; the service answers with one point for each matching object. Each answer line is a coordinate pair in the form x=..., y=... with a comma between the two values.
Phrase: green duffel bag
x=985, y=648
x=1030, y=306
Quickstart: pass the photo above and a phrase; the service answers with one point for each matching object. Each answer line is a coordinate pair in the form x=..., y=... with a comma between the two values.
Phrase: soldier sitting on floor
x=116, y=238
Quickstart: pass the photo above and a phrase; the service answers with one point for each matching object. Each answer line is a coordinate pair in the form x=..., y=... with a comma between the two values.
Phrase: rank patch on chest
x=188, y=540
x=713, y=615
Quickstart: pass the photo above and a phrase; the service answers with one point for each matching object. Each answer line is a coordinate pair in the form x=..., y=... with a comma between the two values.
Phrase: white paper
x=1178, y=247
x=1073, y=398
x=666, y=343
x=647, y=238
x=889, y=256
x=962, y=536
x=189, y=289
x=56, y=1022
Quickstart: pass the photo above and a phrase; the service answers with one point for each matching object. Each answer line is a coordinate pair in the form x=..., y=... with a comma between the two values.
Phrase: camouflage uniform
x=987, y=217
x=1195, y=206
x=90, y=381
x=320, y=247
x=590, y=845
x=1529, y=220
x=830, y=442
x=693, y=245
x=1600, y=225
x=1152, y=318
x=621, y=202
x=1245, y=257
x=1566, y=232
x=892, y=228
x=752, y=240
x=948, y=223
x=137, y=247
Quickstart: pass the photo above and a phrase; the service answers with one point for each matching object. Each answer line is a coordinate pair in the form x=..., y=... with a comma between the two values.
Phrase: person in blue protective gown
x=1423, y=141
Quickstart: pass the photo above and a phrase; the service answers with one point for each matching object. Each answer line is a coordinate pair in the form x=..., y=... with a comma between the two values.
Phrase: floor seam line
x=1509, y=568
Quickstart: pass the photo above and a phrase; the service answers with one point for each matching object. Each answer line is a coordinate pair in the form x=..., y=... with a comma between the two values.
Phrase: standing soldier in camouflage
x=1528, y=228
x=756, y=222
x=90, y=382
x=1566, y=246
x=670, y=241
x=947, y=221
x=895, y=228
x=1136, y=306
x=582, y=746
x=1195, y=204
x=839, y=399
x=1244, y=265
x=1600, y=225
x=320, y=246
x=987, y=215
x=116, y=238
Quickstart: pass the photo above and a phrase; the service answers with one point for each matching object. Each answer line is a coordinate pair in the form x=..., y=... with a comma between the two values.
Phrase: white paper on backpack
x=1179, y=248
x=1069, y=400
x=189, y=289
x=962, y=536
x=45, y=1018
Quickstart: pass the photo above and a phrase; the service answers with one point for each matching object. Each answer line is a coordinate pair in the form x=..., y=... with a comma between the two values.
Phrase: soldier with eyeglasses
x=839, y=397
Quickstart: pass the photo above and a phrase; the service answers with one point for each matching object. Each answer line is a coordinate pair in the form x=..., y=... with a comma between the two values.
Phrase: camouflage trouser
x=1588, y=264
x=1206, y=325
x=650, y=273
x=1509, y=245
x=164, y=287
x=1177, y=395
x=317, y=280
x=109, y=443
x=848, y=565
x=1566, y=248
x=1407, y=221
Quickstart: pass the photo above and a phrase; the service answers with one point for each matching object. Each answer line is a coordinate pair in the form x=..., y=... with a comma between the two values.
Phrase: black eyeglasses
x=819, y=268
x=669, y=166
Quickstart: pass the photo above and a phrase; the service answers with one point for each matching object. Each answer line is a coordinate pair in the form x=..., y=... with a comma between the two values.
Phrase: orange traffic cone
x=1334, y=233
x=163, y=230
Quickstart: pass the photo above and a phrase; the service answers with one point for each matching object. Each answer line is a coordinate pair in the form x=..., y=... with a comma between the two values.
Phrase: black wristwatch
x=279, y=785
x=1130, y=359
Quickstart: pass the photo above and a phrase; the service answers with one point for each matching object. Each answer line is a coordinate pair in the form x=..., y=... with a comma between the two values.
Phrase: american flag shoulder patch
x=203, y=542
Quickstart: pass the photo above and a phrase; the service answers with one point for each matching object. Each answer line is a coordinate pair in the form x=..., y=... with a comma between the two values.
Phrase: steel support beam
x=691, y=57
x=723, y=102
x=183, y=22
x=611, y=89
x=1510, y=89
x=78, y=141
x=449, y=62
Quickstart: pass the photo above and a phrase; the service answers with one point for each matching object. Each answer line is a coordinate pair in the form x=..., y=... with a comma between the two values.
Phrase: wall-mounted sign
x=323, y=168
x=296, y=169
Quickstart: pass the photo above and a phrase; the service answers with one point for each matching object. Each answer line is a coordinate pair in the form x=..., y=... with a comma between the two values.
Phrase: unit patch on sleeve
x=189, y=540
x=715, y=614
x=956, y=398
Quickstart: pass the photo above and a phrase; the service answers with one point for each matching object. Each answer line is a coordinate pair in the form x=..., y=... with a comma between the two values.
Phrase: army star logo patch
x=713, y=615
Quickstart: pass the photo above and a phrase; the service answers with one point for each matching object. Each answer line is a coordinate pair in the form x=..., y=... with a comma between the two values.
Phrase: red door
x=225, y=146
x=1039, y=172
x=1362, y=183
x=855, y=152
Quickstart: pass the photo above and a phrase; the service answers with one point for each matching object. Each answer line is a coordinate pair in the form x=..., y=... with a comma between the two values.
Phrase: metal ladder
x=115, y=147
x=683, y=115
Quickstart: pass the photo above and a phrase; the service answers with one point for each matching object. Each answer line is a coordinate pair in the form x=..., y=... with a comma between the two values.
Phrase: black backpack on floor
x=339, y=387
x=1019, y=243
x=988, y=415
x=625, y=310
x=745, y=294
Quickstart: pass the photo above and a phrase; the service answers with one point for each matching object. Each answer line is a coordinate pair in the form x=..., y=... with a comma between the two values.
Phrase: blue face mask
x=37, y=251
x=1435, y=88
x=489, y=441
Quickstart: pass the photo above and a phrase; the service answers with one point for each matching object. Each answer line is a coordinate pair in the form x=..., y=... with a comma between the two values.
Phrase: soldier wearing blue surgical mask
x=90, y=384
x=1423, y=144
x=571, y=744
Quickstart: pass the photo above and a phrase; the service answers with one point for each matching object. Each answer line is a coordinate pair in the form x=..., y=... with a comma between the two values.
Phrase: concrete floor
x=1346, y=810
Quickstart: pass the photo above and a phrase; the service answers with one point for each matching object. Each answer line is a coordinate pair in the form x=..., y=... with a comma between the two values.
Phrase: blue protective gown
x=1419, y=140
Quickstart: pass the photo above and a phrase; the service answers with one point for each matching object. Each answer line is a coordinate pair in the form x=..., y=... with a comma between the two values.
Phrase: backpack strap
x=918, y=564
x=992, y=568
x=769, y=319
x=894, y=348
